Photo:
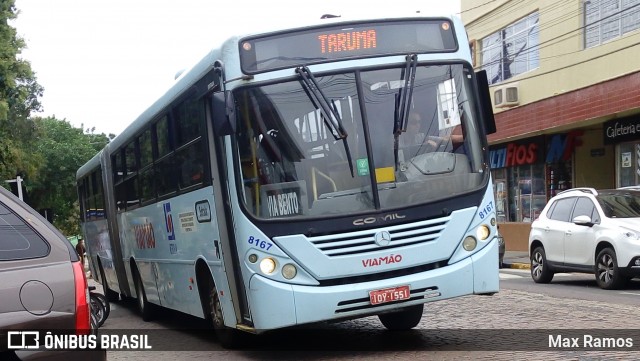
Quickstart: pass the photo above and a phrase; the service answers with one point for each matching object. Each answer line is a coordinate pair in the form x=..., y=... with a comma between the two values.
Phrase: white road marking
x=506, y=276
x=630, y=293
x=511, y=273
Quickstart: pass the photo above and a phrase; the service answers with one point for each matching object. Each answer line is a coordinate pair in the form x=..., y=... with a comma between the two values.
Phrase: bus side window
x=191, y=163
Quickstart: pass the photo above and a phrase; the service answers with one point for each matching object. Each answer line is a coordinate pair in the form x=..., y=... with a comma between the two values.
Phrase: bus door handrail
x=315, y=170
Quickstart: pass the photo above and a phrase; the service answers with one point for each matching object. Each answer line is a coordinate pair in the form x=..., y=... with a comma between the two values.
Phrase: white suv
x=584, y=230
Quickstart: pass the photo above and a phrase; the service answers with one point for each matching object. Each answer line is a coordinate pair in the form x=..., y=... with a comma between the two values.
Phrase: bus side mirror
x=485, y=102
x=223, y=114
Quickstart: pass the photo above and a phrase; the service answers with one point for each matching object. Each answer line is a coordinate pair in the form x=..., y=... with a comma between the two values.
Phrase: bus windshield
x=298, y=158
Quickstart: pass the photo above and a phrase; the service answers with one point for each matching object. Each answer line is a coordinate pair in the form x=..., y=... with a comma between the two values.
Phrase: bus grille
x=359, y=242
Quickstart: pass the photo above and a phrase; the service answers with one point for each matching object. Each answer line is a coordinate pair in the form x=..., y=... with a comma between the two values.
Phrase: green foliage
x=62, y=149
x=46, y=152
x=19, y=96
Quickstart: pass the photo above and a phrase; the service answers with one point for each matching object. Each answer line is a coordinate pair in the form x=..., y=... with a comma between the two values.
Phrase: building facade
x=565, y=85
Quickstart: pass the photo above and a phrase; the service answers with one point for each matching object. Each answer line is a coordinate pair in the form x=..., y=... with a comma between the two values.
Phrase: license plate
x=389, y=295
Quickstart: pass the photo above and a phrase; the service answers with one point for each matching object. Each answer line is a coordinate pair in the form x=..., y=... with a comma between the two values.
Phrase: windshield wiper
x=328, y=109
x=403, y=101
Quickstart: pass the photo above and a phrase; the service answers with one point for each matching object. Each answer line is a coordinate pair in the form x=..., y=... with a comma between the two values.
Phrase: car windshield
x=620, y=205
x=310, y=148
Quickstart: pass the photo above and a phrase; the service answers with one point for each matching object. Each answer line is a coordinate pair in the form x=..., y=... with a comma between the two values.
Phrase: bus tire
x=227, y=337
x=111, y=296
x=144, y=307
x=404, y=319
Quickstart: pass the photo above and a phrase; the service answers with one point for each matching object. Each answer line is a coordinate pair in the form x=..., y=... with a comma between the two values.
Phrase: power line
x=570, y=65
x=477, y=6
x=551, y=42
x=483, y=25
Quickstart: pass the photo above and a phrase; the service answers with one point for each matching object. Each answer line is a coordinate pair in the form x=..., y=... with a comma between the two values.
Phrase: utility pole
x=18, y=180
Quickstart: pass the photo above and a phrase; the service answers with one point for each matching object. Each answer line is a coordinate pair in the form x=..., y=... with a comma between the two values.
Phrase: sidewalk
x=516, y=259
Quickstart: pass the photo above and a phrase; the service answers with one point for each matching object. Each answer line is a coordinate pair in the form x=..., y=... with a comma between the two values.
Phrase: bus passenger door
x=226, y=267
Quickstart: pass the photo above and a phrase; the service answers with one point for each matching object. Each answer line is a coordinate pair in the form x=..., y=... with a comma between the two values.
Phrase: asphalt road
x=579, y=286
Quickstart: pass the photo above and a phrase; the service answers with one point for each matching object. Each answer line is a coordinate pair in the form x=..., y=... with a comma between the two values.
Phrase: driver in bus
x=414, y=136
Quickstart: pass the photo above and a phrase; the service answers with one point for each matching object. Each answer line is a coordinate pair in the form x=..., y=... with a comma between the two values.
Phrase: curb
x=518, y=265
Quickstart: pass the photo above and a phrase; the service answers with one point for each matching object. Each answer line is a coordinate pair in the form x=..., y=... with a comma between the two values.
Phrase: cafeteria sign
x=621, y=130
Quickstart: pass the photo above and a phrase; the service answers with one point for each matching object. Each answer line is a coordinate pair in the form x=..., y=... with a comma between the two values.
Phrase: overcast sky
x=103, y=62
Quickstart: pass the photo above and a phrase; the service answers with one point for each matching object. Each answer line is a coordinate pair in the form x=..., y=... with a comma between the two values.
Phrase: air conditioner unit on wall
x=506, y=96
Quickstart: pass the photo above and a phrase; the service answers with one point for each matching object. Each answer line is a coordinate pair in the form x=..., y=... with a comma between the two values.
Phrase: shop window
x=500, y=188
x=628, y=164
x=527, y=195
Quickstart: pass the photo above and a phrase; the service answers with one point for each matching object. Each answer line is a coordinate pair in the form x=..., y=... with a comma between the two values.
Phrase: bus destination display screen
x=345, y=41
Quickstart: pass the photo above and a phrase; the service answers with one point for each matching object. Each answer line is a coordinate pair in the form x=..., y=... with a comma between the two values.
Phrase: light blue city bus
x=322, y=173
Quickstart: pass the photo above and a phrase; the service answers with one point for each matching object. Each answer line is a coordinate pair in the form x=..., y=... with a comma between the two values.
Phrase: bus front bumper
x=275, y=304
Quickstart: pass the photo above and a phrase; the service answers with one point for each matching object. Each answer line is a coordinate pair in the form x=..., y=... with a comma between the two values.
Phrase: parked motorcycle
x=100, y=307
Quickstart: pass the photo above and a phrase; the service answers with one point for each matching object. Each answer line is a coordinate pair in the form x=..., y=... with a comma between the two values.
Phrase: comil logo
x=19, y=340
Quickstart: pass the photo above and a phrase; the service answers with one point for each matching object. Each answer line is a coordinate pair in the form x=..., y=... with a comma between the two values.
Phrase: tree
x=19, y=96
x=63, y=149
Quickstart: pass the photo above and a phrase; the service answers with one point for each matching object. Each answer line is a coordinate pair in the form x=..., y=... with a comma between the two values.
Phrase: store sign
x=621, y=130
x=517, y=153
x=561, y=146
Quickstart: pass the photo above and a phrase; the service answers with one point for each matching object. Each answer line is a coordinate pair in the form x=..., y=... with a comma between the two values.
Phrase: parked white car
x=591, y=231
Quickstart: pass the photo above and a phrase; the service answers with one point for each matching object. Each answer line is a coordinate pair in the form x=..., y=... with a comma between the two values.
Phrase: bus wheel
x=144, y=307
x=405, y=319
x=228, y=337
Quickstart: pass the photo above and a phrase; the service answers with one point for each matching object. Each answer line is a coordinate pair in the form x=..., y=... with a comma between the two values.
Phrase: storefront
x=526, y=173
x=624, y=134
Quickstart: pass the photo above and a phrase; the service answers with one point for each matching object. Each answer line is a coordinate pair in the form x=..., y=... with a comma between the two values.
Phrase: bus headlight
x=483, y=232
x=267, y=265
x=469, y=243
x=289, y=271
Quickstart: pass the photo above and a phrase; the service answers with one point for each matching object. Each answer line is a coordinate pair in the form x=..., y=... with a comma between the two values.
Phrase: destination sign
x=284, y=199
x=345, y=41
